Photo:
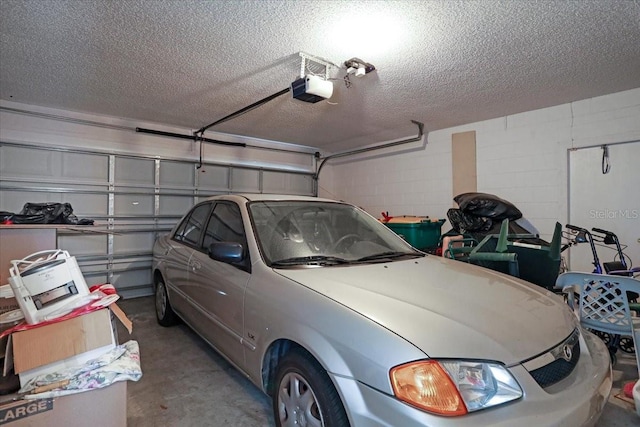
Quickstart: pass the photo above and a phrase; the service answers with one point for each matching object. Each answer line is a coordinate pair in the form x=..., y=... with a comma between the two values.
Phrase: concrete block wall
x=407, y=180
x=521, y=158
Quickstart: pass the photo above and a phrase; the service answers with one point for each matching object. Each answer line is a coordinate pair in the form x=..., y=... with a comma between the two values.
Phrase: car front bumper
x=576, y=401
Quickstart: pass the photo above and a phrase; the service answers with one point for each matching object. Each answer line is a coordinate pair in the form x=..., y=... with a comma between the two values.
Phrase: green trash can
x=421, y=232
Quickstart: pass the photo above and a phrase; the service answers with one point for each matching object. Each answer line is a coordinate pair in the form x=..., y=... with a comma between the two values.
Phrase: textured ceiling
x=190, y=63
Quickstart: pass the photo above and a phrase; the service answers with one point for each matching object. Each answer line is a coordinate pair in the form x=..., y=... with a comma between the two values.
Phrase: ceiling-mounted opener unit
x=311, y=86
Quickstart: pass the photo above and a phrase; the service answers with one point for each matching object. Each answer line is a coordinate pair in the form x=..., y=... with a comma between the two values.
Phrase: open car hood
x=447, y=308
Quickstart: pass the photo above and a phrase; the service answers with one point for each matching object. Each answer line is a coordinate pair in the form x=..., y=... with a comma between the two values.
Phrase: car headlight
x=453, y=387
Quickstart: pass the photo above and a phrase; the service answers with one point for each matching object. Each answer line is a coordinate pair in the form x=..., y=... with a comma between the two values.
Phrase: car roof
x=239, y=197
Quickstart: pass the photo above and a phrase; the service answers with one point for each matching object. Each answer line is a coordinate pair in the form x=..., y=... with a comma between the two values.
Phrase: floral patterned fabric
x=120, y=364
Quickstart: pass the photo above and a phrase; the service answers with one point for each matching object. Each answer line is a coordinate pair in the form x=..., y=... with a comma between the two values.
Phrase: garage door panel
x=14, y=201
x=134, y=204
x=83, y=244
x=86, y=167
x=94, y=272
x=88, y=205
x=213, y=178
x=95, y=278
x=133, y=282
x=245, y=180
x=175, y=205
x=132, y=243
x=134, y=172
x=287, y=183
x=28, y=162
x=33, y=163
x=177, y=174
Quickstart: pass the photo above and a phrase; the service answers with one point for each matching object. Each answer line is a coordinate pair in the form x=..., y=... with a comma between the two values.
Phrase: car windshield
x=293, y=233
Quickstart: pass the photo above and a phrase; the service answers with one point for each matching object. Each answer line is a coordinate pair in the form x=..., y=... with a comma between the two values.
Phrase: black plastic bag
x=487, y=205
x=463, y=222
x=46, y=213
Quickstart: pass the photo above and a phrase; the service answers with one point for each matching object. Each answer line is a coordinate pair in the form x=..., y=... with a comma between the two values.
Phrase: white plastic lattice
x=603, y=301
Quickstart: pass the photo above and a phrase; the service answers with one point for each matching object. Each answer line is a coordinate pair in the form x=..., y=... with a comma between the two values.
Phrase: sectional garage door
x=132, y=200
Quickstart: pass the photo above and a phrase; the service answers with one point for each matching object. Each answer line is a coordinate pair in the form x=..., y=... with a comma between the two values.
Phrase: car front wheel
x=164, y=312
x=305, y=394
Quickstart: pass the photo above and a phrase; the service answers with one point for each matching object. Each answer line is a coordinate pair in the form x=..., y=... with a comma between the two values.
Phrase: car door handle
x=195, y=265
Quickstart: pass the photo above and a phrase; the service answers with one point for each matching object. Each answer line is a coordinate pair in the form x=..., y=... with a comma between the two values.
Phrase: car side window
x=225, y=225
x=191, y=228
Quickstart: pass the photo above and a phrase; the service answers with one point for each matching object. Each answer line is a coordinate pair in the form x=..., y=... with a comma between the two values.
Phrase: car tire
x=305, y=395
x=164, y=312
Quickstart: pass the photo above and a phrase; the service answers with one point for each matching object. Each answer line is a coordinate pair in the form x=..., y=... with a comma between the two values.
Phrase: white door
x=609, y=201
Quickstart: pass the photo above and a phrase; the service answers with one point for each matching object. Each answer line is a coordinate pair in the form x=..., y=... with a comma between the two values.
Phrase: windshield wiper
x=388, y=255
x=310, y=260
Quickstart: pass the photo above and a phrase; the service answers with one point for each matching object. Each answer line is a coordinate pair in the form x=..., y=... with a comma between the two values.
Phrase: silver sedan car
x=343, y=323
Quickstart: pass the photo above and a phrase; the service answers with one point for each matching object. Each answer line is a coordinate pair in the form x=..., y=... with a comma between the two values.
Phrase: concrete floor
x=187, y=384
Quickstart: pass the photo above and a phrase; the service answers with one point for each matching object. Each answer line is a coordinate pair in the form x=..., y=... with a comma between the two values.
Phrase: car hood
x=447, y=308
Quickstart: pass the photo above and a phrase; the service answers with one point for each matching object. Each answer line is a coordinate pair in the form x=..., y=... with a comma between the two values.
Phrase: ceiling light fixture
x=358, y=67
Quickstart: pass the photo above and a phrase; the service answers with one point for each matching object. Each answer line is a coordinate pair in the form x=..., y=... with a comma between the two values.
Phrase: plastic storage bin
x=421, y=232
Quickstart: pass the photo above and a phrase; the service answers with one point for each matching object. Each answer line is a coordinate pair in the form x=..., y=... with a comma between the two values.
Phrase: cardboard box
x=58, y=341
x=66, y=344
x=20, y=241
x=106, y=407
x=6, y=305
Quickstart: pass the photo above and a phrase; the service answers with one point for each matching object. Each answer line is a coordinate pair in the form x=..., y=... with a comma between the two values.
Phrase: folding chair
x=602, y=305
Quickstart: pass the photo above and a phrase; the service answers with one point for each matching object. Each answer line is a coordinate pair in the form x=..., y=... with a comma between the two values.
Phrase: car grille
x=561, y=359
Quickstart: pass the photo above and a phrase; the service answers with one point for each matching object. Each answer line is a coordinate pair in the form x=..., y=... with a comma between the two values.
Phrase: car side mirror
x=226, y=252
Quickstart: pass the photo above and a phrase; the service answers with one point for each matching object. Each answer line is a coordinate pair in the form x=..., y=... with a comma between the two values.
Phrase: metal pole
x=243, y=110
